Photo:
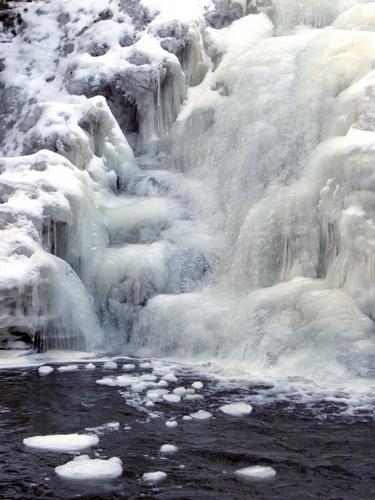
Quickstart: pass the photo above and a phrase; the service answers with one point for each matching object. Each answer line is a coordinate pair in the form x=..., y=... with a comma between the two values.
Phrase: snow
x=64, y=443
x=201, y=415
x=239, y=409
x=90, y=366
x=255, y=472
x=154, y=477
x=168, y=449
x=45, y=370
x=84, y=468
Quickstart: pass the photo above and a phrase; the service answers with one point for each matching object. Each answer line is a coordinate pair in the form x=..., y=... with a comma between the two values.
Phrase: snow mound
x=62, y=442
x=84, y=468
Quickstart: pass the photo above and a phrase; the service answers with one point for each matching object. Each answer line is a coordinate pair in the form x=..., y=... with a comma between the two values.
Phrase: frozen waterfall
x=191, y=178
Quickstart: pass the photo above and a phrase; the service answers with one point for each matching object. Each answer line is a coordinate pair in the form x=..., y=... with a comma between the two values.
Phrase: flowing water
x=316, y=452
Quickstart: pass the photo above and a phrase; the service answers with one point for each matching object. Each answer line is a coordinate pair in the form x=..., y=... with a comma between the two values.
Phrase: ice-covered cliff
x=191, y=178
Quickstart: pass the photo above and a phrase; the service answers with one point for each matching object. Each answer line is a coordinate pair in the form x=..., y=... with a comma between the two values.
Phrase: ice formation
x=191, y=178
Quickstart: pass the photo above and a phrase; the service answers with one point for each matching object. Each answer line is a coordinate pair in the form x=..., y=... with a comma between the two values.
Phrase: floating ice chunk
x=148, y=377
x=120, y=381
x=180, y=391
x=154, y=477
x=68, y=368
x=168, y=449
x=192, y=397
x=201, y=415
x=148, y=404
x=86, y=468
x=145, y=365
x=163, y=383
x=110, y=365
x=169, y=377
x=255, y=472
x=171, y=424
x=128, y=366
x=90, y=366
x=62, y=442
x=172, y=398
x=197, y=385
x=187, y=418
x=45, y=370
x=156, y=395
x=236, y=409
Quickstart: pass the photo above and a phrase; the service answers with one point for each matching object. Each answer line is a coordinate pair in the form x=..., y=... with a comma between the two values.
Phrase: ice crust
x=63, y=443
x=191, y=179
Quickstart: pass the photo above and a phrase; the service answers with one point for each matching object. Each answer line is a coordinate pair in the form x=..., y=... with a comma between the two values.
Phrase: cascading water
x=240, y=230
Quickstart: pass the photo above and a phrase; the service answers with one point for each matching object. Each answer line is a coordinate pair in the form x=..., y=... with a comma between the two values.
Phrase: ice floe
x=236, y=409
x=255, y=472
x=86, y=468
x=62, y=442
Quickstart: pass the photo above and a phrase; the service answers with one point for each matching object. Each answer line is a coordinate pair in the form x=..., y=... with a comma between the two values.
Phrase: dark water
x=332, y=458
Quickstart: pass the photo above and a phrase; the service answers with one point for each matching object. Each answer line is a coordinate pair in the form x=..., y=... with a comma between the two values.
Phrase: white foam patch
x=255, y=472
x=201, y=415
x=168, y=449
x=154, y=477
x=237, y=409
x=62, y=442
x=45, y=370
x=84, y=468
